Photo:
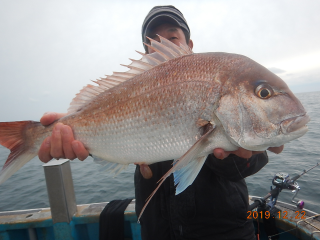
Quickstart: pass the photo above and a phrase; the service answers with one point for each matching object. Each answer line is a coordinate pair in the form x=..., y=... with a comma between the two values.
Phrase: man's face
x=170, y=32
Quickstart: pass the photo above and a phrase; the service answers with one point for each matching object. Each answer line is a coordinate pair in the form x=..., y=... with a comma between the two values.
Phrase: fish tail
x=18, y=138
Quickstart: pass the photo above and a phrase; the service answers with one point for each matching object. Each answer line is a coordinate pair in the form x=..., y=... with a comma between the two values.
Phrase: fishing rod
x=281, y=181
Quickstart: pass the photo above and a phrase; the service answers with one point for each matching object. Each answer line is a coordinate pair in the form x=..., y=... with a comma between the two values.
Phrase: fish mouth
x=293, y=124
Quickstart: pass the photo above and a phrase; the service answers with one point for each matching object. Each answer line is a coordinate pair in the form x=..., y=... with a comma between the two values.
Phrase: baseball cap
x=164, y=14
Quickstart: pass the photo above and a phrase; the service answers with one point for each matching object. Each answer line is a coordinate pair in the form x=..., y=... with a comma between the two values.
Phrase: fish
x=171, y=104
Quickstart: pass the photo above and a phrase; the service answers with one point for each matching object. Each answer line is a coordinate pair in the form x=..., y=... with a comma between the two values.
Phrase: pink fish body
x=172, y=104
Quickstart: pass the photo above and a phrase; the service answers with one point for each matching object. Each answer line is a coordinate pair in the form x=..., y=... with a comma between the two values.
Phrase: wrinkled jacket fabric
x=213, y=207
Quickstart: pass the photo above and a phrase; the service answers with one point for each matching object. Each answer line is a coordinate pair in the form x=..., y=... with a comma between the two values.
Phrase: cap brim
x=160, y=19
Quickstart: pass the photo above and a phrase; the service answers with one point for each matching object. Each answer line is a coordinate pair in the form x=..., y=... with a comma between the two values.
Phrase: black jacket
x=213, y=207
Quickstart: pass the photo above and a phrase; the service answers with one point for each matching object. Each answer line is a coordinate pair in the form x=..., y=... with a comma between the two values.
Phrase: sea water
x=26, y=189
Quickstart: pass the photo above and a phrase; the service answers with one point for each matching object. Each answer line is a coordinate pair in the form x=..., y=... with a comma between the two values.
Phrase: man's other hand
x=61, y=143
x=243, y=153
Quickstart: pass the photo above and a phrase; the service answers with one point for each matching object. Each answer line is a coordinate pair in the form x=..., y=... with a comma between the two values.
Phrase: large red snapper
x=172, y=104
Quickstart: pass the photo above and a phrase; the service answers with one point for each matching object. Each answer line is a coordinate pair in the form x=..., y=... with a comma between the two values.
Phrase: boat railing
x=64, y=219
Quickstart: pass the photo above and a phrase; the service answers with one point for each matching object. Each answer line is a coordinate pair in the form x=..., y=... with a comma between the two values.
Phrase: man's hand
x=61, y=144
x=145, y=170
x=243, y=153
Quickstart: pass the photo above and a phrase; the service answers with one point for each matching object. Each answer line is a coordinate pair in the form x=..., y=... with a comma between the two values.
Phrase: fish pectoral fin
x=189, y=165
x=111, y=167
x=196, y=148
x=185, y=176
x=201, y=122
x=185, y=165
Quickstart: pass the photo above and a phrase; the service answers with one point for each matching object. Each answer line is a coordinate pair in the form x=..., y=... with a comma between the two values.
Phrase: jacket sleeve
x=235, y=168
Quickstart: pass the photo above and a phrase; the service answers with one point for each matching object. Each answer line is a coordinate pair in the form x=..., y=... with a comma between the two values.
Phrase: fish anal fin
x=152, y=194
x=111, y=167
x=191, y=154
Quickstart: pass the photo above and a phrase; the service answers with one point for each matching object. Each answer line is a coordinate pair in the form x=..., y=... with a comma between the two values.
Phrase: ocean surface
x=26, y=189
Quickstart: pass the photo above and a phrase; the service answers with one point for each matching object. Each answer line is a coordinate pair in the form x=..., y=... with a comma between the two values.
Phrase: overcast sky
x=49, y=50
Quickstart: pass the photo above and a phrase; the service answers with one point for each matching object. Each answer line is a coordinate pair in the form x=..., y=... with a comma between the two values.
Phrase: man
x=215, y=205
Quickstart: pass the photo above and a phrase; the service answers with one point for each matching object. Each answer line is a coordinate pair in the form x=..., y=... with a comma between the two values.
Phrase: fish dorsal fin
x=163, y=52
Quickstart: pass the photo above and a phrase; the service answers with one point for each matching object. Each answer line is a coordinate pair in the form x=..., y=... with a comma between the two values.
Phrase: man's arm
x=235, y=168
x=243, y=153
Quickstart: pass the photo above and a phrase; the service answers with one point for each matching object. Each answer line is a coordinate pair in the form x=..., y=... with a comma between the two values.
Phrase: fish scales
x=145, y=118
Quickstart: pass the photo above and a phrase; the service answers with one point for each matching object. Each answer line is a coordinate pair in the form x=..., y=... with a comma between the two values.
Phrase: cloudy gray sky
x=49, y=50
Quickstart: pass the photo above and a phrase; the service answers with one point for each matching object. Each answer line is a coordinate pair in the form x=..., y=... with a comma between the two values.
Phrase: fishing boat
x=65, y=220
x=36, y=224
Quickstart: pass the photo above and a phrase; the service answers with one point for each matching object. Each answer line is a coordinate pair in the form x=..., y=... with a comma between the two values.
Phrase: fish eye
x=264, y=91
